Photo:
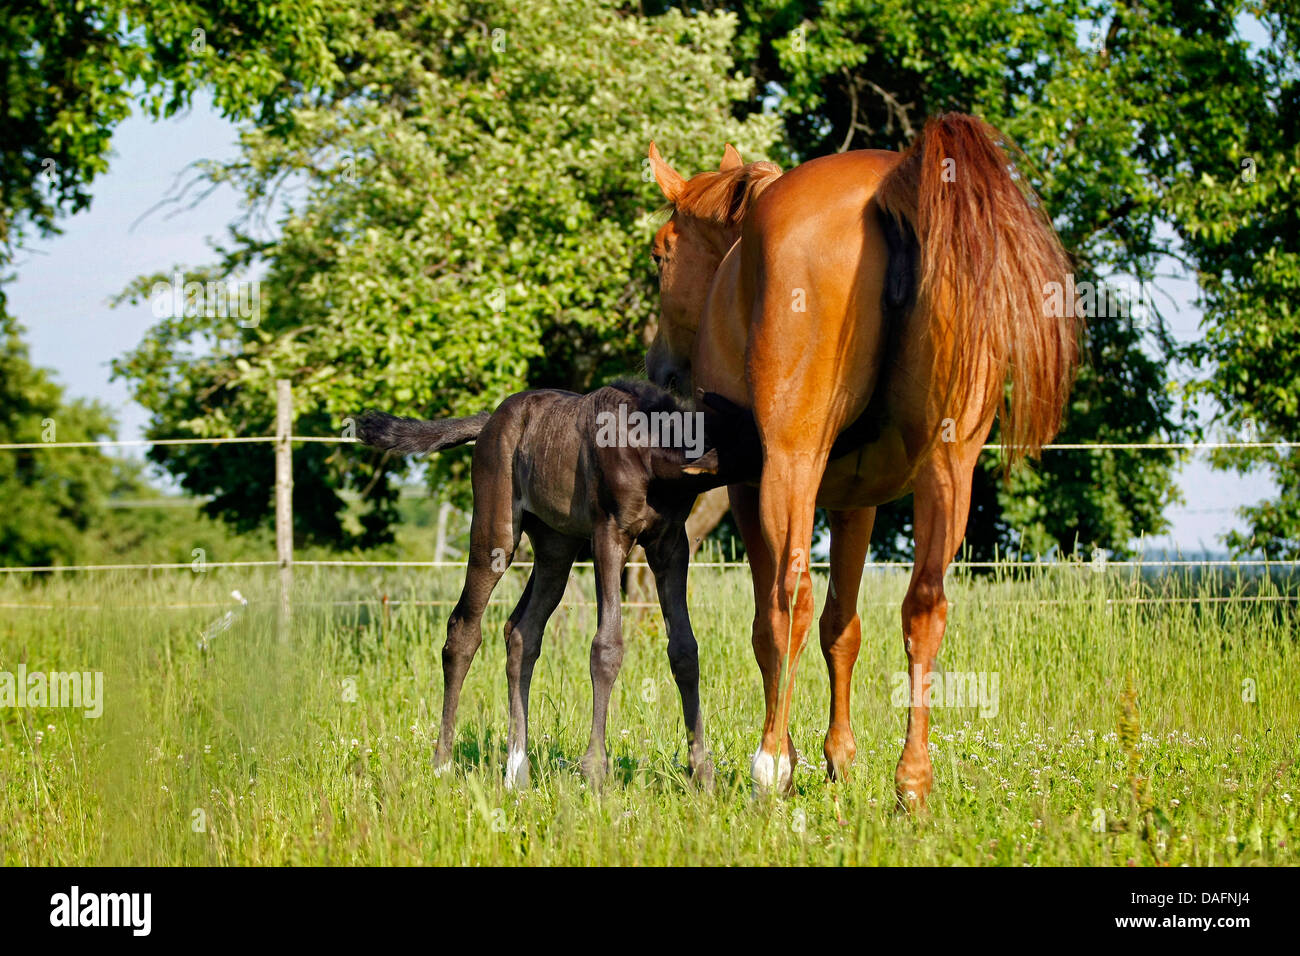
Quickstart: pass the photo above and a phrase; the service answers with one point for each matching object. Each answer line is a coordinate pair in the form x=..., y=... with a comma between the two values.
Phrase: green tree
x=1237, y=214
x=51, y=496
x=472, y=221
x=71, y=71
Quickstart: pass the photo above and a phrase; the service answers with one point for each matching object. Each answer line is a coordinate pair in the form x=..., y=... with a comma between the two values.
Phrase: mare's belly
x=877, y=473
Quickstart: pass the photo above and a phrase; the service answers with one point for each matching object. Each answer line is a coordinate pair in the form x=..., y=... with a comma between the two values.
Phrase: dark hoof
x=702, y=776
x=595, y=770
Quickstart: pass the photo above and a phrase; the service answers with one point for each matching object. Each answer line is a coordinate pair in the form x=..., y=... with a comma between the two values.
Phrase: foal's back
x=547, y=439
x=539, y=439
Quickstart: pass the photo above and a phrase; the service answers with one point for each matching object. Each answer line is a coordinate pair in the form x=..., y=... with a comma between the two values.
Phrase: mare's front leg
x=609, y=551
x=553, y=557
x=768, y=773
x=669, y=557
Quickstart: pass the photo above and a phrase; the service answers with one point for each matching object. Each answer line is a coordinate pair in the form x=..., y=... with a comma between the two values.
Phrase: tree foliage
x=1240, y=225
x=459, y=197
x=71, y=71
x=51, y=496
x=467, y=219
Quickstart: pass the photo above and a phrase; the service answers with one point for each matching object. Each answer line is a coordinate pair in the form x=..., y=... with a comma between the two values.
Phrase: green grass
x=256, y=740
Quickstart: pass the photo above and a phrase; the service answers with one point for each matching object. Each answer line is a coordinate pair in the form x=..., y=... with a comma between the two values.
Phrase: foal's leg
x=941, y=502
x=553, y=557
x=609, y=550
x=841, y=630
x=668, y=558
x=494, y=536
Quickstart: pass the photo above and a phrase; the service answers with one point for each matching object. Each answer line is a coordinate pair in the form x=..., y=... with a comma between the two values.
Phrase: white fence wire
x=285, y=561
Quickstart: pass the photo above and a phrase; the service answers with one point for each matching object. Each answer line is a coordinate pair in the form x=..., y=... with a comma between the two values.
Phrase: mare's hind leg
x=941, y=503
x=668, y=558
x=841, y=630
x=494, y=535
x=609, y=550
x=553, y=557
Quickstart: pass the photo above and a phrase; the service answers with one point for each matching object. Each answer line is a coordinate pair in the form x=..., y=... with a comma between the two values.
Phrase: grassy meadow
x=1126, y=732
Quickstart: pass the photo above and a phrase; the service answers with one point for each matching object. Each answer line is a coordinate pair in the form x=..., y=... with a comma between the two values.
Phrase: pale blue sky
x=64, y=284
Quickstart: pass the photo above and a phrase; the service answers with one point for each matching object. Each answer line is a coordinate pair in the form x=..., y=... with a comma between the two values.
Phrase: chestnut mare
x=901, y=297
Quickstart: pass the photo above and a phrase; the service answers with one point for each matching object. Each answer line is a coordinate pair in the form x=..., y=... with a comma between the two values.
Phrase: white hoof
x=770, y=771
x=516, y=769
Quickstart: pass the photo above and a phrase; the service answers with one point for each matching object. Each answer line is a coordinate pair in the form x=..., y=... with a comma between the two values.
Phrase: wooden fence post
x=284, y=498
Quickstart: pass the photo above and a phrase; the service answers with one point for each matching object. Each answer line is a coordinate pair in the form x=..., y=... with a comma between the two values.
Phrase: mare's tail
x=989, y=259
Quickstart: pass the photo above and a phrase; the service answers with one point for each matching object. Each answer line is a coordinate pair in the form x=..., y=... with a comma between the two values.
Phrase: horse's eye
x=657, y=259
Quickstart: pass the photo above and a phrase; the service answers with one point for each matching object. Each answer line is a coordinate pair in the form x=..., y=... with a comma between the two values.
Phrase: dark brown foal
x=620, y=466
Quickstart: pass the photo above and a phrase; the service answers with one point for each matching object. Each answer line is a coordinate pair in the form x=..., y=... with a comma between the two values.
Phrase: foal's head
x=707, y=212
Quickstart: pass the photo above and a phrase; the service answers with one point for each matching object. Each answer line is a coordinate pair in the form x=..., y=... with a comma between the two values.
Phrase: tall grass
x=1124, y=733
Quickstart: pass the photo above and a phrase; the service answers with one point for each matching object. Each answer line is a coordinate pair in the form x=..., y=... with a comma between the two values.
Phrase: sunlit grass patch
x=315, y=746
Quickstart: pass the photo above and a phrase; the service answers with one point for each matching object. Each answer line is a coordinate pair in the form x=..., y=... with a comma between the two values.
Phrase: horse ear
x=706, y=464
x=669, y=180
x=730, y=159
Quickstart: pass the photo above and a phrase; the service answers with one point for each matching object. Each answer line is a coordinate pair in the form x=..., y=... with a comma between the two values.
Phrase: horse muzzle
x=667, y=373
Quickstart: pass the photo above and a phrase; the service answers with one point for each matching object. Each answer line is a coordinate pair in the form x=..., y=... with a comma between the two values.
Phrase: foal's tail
x=414, y=435
x=990, y=259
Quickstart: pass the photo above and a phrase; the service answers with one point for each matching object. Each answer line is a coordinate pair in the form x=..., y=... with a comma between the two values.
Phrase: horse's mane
x=649, y=396
x=724, y=197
